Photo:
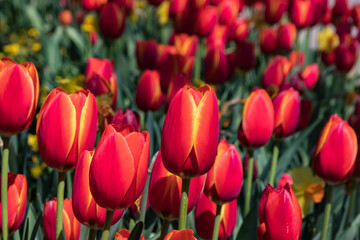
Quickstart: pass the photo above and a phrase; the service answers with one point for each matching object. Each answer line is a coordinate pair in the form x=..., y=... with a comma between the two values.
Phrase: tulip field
x=180, y=119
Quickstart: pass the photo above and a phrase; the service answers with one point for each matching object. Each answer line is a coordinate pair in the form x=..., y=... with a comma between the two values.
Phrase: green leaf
x=351, y=232
x=76, y=38
x=34, y=17
x=136, y=232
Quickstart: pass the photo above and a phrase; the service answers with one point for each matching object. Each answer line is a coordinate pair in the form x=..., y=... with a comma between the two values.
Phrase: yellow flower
x=13, y=48
x=71, y=85
x=163, y=12
x=36, y=47
x=38, y=169
x=32, y=32
x=32, y=141
x=328, y=40
x=307, y=187
x=90, y=24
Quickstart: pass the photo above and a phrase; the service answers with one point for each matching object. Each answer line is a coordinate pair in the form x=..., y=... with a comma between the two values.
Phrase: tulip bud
x=286, y=36
x=146, y=54
x=124, y=234
x=16, y=200
x=17, y=81
x=184, y=234
x=163, y=52
x=70, y=223
x=355, y=13
x=227, y=11
x=227, y=163
x=126, y=117
x=190, y=132
x=297, y=58
x=310, y=75
x=165, y=191
x=148, y=93
x=195, y=5
x=257, y=121
x=216, y=66
x=284, y=179
x=65, y=17
x=239, y=30
x=335, y=151
x=112, y=20
x=125, y=154
x=246, y=57
x=219, y=36
x=89, y=214
x=301, y=13
x=276, y=71
x=206, y=19
x=279, y=214
x=345, y=54
x=184, y=44
x=66, y=126
x=327, y=16
x=275, y=9
x=205, y=212
x=328, y=58
x=287, y=112
x=340, y=8
x=267, y=40
x=93, y=4
x=306, y=111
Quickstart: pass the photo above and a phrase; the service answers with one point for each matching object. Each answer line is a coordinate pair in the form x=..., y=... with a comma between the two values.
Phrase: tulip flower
x=17, y=81
x=205, y=213
x=297, y=58
x=65, y=17
x=196, y=5
x=216, y=66
x=279, y=214
x=306, y=111
x=89, y=214
x=206, y=19
x=227, y=11
x=92, y=4
x=177, y=81
x=286, y=36
x=326, y=19
x=275, y=9
x=346, y=53
x=355, y=13
x=16, y=198
x=184, y=44
x=165, y=191
x=284, y=179
x=126, y=117
x=239, y=30
x=148, y=93
x=71, y=224
x=124, y=234
x=301, y=13
x=310, y=75
x=245, y=56
x=112, y=20
x=276, y=71
x=340, y=8
x=286, y=112
x=185, y=234
x=328, y=58
x=100, y=78
x=146, y=54
x=335, y=151
x=267, y=40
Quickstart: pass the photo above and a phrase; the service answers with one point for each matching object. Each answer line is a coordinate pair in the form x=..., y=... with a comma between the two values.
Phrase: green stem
x=273, y=164
x=248, y=183
x=144, y=199
x=198, y=61
x=327, y=213
x=184, y=203
x=132, y=224
x=92, y=234
x=164, y=228
x=4, y=184
x=107, y=225
x=351, y=206
x=217, y=223
x=59, y=207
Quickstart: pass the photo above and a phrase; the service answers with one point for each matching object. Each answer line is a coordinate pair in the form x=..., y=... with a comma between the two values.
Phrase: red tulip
x=245, y=56
x=286, y=36
x=146, y=54
x=190, y=132
x=89, y=214
x=328, y=58
x=228, y=11
x=148, y=93
x=346, y=53
x=284, y=179
x=65, y=17
x=162, y=53
x=310, y=75
x=216, y=66
x=355, y=13
x=112, y=20
x=125, y=154
x=178, y=81
x=257, y=122
x=326, y=19
x=335, y=151
x=340, y=8
x=184, y=234
x=100, y=78
x=165, y=191
x=205, y=212
x=66, y=126
x=219, y=36
x=92, y=4
x=306, y=111
x=126, y=117
x=267, y=40
x=155, y=2
x=239, y=30
x=227, y=163
x=206, y=19
x=275, y=9
x=184, y=44
x=279, y=214
x=16, y=200
x=287, y=112
x=302, y=13
x=276, y=71
x=17, y=81
x=124, y=234
x=297, y=58
x=70, y=223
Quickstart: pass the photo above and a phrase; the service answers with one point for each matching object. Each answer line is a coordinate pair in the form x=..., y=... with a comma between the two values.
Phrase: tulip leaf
x=36, y=226
x=34, y=17
x=249, y=226
x=351, y=232
x=25, y=235
x=136, y=232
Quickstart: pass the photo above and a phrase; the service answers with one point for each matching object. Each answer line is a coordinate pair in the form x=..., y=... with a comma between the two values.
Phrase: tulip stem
x=273, y=164
x=248, y=183
x=59, y=205
x=164, y=228
x=92, y=234
x=184, y=203
x=217, y=223
x=351, y=206
x=327, y=212
x=107, y=225
x=4, y=183
x=144, y=199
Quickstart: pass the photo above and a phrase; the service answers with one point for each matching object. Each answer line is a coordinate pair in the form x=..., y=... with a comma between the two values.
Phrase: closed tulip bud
x=184, y=44
x=190, y=132
x=297, y=58
x=85, y=208
x=284, y=179
x=162, y=53
x=125, y=154
x=275, y=9
x=287, y=112
x=227, y=163
x=301, y=13
x=245, y=56
x=227, y=11
x=267, y=40
x=165, y=191
x=70, y=223
x=216, y=66
x=184, y=234
x=92, y=4
x=112, y=20
x=310, y=75
x=279, y=214
x=17, y=81
x=100, y=78
x=146, y=54
x=65, y=17
x=148, y=93
x=239, y=30
x=345, y=54
x=205, y=212
x=195, y=5
x=286, y=36
x=16, y=200
x=355, y=13
x=127, y=117
x=257, y=121
x=328, y=58
x=335, y=152
x=276, y=71
x=124, y=234
x=93, y=37
x=66, y=126
x=306, y=111
x=206, y=19
x=177, y=7
x=340, y=8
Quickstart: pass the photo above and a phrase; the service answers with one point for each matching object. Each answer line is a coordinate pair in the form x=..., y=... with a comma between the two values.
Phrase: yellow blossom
x=32, y=141
x=13, y=48
x=71, y=85
x=90, y=24
x=32, y=32
x=328, y=40
x=307, y=187
x=163, y=12
x=38, y=169
x=36, y=47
